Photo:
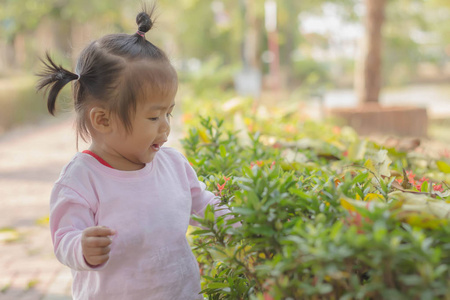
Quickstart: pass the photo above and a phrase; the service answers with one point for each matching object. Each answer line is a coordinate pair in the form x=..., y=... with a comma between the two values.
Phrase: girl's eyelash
x=156, y=118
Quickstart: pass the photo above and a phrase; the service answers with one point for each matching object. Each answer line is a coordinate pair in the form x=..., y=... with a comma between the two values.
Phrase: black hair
x=112, y=71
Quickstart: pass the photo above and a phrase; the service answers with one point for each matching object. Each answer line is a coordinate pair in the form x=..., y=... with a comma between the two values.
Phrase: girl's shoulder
x=172, y=154
x=78, y=167
x=173, y=160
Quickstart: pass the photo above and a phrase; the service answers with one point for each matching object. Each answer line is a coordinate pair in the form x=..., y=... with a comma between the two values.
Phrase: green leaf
x=360, y=177
x=443, y=166
x=425, y=187
x=209, y=213
x=202, y=232
x=263, y=230
x=324, y=288
x=218, y=285
x=223, y=151
x=380, y=231
x=357, y=150
x=382, y=162
x=244, y=211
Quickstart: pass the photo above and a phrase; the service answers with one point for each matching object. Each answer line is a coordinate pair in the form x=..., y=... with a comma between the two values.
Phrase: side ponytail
x=53, y=77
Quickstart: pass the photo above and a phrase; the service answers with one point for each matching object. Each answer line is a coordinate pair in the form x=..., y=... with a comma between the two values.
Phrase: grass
x=5, y=288
x=44, y=221
x=32, y=283
x=438, y=130
x=9, y=235
x=21, y=105
x=16, y=83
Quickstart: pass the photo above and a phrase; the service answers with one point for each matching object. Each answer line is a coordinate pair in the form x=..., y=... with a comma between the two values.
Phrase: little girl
x=120, y=210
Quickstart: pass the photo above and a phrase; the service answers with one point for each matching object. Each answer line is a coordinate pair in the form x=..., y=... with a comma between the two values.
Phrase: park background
x=243, y=57
x=306, y=52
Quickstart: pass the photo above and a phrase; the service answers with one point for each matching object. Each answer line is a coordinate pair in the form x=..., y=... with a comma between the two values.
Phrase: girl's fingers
x=97, y=260
x=96, y=242
x=98, y=231
x=97, y=251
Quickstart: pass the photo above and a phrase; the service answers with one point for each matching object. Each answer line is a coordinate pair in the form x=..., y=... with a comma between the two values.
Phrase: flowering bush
x=323, y=215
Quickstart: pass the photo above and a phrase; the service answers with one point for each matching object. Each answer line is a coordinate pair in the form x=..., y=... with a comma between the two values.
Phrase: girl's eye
x=169, y=115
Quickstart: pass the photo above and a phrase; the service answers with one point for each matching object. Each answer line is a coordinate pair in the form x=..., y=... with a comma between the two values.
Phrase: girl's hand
x=95, y=242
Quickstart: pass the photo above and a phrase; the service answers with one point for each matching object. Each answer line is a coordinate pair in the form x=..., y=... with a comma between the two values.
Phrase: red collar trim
x=100, y=160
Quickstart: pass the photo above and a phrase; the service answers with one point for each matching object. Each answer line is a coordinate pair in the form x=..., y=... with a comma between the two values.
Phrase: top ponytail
x=144, y=21
x=53, y=77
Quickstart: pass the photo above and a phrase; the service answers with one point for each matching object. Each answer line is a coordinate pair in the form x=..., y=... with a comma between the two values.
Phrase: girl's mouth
x=156, y=147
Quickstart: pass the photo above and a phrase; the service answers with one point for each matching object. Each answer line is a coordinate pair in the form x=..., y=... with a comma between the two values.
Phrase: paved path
x=30, y=162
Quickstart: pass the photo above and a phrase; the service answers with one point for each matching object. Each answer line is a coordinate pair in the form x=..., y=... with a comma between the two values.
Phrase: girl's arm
x=201, y=197
x=70, y=215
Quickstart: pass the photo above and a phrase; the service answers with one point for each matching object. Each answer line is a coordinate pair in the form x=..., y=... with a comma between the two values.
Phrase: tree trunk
x=10, y=55
x=20, y=50
x=251, y=42
x=62, y=32
x=369, y=67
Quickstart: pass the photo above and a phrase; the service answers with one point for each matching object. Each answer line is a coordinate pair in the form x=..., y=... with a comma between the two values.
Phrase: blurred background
x=285, y=52
x=256, y=63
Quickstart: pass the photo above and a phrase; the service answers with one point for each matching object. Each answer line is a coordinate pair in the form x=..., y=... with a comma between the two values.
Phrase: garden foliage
x=320, y=213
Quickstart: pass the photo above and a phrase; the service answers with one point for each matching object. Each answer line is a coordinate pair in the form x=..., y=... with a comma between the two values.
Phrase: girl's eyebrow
x=160, y=107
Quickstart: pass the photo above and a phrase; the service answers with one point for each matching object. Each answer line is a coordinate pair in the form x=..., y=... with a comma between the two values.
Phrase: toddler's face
x=151, y=129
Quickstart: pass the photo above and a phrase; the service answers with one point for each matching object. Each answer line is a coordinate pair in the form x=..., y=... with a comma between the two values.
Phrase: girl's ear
x=100, y=119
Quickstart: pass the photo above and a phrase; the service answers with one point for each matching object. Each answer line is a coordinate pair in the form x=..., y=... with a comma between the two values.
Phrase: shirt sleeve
x=201, y=197
x=70, y=214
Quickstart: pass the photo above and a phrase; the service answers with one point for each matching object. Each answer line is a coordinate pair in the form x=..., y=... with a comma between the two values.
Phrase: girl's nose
x=165, y=125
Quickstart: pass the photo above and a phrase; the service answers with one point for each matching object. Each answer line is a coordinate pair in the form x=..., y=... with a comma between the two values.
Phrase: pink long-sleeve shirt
x=149, y=209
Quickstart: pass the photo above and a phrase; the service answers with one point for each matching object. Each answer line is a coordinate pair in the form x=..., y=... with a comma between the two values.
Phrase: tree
x=369, y=67
x=22, y=18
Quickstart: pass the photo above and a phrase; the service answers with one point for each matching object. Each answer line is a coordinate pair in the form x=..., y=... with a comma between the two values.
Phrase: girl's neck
x=115, y=160
x=100, y=160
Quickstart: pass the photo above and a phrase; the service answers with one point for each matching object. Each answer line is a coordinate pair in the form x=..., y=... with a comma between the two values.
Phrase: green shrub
x=213, y=79
x=322, y=216
x=311, y=73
